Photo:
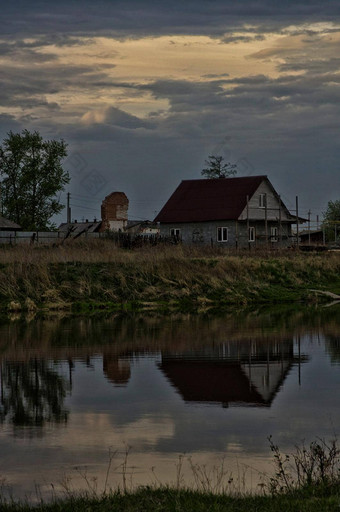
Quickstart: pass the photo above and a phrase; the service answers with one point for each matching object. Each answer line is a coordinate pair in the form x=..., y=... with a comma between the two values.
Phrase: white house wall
x=257, y=213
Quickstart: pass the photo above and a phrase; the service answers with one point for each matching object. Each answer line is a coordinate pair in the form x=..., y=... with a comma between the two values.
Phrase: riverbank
x=171, y=500
x=98, y=275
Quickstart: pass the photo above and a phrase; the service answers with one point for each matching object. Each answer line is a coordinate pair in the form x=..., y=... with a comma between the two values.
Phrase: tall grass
x=99, y=271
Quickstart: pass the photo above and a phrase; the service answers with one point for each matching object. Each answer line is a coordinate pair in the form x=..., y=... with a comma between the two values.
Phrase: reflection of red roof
x=210, y=199
x=222, y=382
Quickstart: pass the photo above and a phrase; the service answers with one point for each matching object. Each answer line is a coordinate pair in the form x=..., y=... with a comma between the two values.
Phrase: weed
x=314, y=469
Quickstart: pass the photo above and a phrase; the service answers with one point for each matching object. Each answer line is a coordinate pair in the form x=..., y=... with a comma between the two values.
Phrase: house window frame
x=262, y=200
x=274, y=234
x=251, y=234
x=222, y=234
x=175, y=232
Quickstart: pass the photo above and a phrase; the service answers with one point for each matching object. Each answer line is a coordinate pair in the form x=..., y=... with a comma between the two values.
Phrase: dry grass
x=99, y=271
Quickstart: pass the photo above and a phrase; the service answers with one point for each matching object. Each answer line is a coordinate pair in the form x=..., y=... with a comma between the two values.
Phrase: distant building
x=75, y=228
x=313, y=237
x=8, y=225
x=144, y=228
x=114, y=211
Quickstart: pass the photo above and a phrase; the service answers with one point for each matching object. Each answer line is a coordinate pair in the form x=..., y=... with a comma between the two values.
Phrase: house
x=142, y=228
x=75, y=229
x=230, y=212
x=312, y=237
x=8, y=230
x=8, y=225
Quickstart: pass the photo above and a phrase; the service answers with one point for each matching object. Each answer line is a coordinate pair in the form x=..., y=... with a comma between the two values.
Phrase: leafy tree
x=217, y=168
x=331, y=220
x=32, y=177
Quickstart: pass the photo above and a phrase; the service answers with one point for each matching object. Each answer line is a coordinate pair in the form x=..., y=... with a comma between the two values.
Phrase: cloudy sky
x=143, y=91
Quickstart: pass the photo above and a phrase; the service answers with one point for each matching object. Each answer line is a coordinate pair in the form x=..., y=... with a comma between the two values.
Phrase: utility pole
x=68, y=208
x=309, y=227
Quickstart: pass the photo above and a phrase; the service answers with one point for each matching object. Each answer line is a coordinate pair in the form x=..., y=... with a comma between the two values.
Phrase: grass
x=170, y=500
x=97, y=274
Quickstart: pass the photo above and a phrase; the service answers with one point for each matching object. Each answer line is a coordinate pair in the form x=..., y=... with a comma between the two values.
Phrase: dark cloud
x=242, y=38
x=134, y=18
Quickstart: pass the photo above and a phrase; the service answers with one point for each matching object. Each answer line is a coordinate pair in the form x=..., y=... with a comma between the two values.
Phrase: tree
x=331, y=220
x=32, y=177
x=217, y=169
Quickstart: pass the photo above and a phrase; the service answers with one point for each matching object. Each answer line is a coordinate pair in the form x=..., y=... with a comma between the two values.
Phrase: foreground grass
x=166, y=499
x=98, y=274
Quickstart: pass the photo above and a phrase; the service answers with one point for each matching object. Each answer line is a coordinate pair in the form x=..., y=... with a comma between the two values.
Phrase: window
x=262, y=200
x=175, y=232
x=222, y=234
x=273, y=234
x=252, y=234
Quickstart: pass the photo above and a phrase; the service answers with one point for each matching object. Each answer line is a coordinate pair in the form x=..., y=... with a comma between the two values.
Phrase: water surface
x=167, y=399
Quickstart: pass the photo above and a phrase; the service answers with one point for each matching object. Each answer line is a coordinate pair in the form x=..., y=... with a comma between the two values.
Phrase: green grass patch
x=170, y=500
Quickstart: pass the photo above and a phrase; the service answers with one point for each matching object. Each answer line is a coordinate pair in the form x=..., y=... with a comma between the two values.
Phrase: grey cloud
x=212, y=75
x=242, y=38
x=136, y=18
x=319, y=66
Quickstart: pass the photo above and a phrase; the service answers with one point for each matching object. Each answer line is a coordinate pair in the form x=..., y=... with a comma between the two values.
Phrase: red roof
x=209, y=199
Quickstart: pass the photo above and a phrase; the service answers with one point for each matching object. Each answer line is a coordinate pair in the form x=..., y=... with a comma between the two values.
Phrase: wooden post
x=236, y=234
x=248, y=221
x=308, y=227
x=280, y=222
x=297, y=222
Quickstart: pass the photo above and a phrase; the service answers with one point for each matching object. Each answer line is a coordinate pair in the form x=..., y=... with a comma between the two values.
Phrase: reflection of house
x=117, y=370
x=247, y=378
x=227, y=211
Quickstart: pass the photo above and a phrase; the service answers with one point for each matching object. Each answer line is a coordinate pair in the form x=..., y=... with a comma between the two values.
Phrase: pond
x=123, y=400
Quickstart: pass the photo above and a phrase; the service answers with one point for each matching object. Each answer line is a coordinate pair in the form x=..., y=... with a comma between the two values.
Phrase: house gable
x=265, y=203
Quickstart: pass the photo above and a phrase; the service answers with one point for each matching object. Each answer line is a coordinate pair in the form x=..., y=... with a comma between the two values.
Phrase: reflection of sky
x=149, y=415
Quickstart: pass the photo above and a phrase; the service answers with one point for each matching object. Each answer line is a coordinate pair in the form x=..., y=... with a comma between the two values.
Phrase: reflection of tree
x=333, y=347
x=32, y=393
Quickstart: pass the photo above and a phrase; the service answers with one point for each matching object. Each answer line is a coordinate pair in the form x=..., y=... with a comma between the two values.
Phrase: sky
x=144, y=91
